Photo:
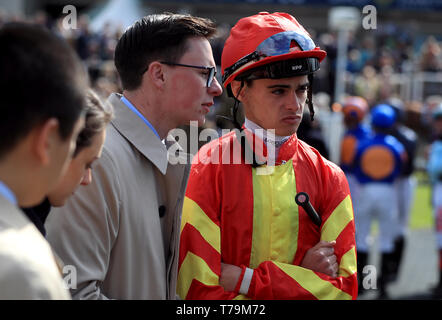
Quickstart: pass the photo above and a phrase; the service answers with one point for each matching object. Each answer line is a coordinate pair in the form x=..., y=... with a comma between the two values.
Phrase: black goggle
x=282, y=69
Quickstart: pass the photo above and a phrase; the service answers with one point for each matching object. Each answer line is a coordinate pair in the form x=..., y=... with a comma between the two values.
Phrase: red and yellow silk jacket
x=237, y=215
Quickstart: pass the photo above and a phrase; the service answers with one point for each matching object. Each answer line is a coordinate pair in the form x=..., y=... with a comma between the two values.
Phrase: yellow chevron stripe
x=192, y=214
x=310, y=281
x=338, y=220
x=194, y=267
x=275, y=215
x=347, y=266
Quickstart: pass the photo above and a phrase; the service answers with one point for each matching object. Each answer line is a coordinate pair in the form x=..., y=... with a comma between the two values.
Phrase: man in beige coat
x=121, y=233
x=43, y=86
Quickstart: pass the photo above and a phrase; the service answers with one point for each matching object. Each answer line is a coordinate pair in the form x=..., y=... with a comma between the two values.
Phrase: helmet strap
x=310, y=97
x=236, y=107
x=242, y=139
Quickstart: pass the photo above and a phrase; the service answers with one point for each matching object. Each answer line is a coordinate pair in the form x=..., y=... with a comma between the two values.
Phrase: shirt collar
x=6, y=192
x=138, y=113
x=129, y=125
x=285, y=146
x=264, y=134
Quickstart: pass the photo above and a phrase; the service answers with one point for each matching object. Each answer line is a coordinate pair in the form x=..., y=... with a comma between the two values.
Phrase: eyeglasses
x=210, y=75
x=278, y=44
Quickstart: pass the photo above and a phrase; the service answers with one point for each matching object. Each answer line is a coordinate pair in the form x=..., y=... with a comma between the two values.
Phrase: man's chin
x=57, y=202
x=198, y=122
x=286, y=132
x=30, y=201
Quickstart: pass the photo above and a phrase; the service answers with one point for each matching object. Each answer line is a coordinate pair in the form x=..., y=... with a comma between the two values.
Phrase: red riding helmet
x=274, y=44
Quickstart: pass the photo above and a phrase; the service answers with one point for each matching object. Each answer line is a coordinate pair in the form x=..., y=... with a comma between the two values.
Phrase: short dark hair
x=97, y=115
x=41, y=78
x=156, y=37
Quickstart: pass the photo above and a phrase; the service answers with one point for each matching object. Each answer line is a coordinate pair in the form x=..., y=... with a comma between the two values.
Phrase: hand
x=229, y=276
x=321, y=258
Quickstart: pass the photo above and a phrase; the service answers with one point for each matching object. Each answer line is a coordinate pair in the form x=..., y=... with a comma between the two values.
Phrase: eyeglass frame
x=210, y=76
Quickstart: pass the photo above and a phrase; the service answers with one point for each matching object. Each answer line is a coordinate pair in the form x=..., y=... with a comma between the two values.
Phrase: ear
x=156, y=73
x=238, y=89
x=45, y=139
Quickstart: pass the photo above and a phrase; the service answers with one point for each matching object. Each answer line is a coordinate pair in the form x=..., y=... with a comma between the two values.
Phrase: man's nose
x=215, y=88
x=293, y=102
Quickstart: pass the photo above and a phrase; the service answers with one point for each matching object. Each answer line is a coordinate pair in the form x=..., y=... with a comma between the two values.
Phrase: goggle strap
x=282, y=69
x=238, y=64
x=310, y=97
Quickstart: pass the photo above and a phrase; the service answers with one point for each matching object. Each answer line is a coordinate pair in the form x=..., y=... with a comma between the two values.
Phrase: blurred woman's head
x=89, y=147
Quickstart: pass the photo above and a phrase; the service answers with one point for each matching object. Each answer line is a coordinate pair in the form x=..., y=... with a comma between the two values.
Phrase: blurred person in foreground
x=121, y=232
x=434, y=168
x=43, y=86
x=243, y=235
x=79, y=172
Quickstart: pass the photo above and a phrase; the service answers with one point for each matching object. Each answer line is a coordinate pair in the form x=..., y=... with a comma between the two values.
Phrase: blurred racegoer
x=43, y=84
x=88, y=149
x=312, y=134
x=379, y=160
x=435, y=173
x=405, y=184
x=354, y=110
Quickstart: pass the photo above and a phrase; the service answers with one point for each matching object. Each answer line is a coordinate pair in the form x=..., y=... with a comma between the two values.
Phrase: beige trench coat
x=111, y=230
x=28, y=269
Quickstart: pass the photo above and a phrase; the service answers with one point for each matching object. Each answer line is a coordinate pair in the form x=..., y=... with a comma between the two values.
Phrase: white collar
x=269, y=137
x=265, y=135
